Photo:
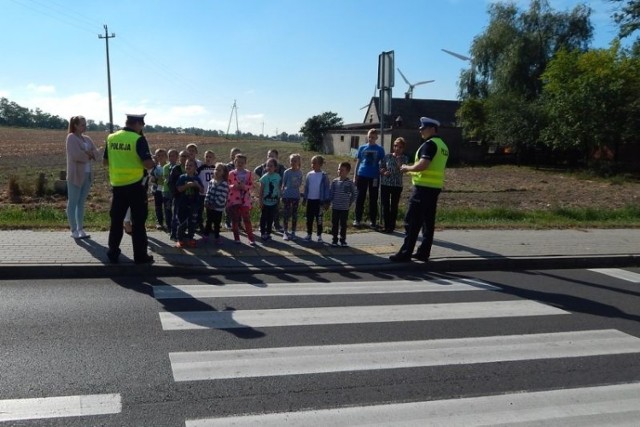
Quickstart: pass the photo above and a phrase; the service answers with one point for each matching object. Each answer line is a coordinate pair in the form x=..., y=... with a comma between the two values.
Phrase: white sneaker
x=285, y=237
x=82, y=234
x=75, y=234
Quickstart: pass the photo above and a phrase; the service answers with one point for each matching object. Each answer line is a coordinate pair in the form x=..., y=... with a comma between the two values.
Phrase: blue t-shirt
x=270, y=188
x=291, y=182
x=369, y=158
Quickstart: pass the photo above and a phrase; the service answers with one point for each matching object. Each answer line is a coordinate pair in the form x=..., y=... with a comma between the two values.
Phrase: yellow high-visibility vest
x=125, y=166
x=433, y=176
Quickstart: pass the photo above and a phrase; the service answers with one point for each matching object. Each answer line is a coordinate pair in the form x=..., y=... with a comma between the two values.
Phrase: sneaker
x=237, y=241
x=193, y=243
x=344, y=244
x=280, y=229
x=320, y=239
x=82, y=234
x=334, y=244
x=264, y=236
x=292, y=235
x=357, y=224
x=308, y=238
x=180, y=244
x=420, y=257
x=252, y=243
x=286, y=236
x=75, y=235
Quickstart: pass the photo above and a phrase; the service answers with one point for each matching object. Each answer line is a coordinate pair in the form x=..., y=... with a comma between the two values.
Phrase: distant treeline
x=14, y=115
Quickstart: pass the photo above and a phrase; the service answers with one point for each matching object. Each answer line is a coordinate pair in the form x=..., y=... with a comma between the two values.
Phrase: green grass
x=47, y=217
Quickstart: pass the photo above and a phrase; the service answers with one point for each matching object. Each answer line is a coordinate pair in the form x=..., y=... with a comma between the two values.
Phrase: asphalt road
x=160, y=352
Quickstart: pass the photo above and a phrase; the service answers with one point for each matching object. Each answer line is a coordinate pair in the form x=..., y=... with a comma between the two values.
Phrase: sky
x=184, y=63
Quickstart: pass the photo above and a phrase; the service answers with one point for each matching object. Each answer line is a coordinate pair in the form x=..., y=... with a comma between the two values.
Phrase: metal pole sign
x=386, y=75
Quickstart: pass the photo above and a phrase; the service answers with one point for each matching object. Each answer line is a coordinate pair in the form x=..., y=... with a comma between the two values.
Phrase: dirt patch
x=27, y=152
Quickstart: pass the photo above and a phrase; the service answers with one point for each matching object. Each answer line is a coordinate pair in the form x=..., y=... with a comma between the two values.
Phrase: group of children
x=191, y=194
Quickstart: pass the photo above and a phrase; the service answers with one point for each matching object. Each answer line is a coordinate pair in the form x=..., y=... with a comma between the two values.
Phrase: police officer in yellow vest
x=127, y=154
x=427, y=175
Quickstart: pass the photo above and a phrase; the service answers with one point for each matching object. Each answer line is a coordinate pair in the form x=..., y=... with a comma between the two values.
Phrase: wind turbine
x=409, y=93
x=457, y=55
x=374, y=94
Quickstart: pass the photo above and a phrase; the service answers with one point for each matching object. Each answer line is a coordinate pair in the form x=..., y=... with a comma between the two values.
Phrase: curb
x=439, y=265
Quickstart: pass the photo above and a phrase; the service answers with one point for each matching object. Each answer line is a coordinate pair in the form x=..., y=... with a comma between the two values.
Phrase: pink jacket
x=237, y=196
x=77, y=157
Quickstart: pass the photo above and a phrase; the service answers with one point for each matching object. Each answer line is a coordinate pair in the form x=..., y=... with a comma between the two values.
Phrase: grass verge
x=49, y=217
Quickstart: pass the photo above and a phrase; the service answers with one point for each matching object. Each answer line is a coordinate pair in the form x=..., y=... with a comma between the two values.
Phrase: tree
x=591, y=100
x=315, y=127
x=500, y=91
x=628, y=18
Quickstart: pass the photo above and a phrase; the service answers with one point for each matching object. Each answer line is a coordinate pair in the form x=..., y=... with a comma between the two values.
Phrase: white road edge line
x=60, y=407
x=587, y=406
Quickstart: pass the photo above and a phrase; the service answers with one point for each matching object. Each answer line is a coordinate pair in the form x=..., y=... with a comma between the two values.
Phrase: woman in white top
x=81, y=151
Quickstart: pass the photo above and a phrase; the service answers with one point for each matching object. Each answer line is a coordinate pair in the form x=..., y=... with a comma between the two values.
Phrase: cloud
x=41, y=89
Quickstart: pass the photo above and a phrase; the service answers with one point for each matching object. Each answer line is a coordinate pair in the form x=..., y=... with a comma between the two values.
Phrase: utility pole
x=106, y=38
x=234, y=108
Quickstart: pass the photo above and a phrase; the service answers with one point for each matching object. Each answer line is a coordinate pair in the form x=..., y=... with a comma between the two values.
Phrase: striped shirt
x=343, y=193
x=217, y=193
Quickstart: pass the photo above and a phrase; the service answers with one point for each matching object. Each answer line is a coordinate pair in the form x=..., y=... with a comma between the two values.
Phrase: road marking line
x=183, y=320
x=578, y=407
x=335, y=288
x=262, y=362
x=618, y=273
x=62, y=406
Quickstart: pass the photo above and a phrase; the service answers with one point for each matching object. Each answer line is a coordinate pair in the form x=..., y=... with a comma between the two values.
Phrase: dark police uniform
x=427, y=185
x=125, y=151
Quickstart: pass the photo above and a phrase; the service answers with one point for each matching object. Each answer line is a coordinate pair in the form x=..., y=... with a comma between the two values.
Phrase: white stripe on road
x=62, y=406
x=579, y=407
x=209, y=365
x=618, y=273
x=335, y=288
x=183, y=320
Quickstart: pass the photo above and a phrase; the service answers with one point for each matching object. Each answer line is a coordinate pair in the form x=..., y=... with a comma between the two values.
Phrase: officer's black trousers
x=132, y=196
x=421, y=212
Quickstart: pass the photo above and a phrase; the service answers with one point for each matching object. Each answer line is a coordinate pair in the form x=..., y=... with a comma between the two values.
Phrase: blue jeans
x=76, y=198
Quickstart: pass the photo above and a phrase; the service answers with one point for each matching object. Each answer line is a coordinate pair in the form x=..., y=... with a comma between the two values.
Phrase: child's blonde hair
x=318, y=158
x=225, y=171
x=295, y=156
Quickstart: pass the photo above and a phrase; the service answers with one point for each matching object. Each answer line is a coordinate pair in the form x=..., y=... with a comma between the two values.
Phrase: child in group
x=167, y=196
x=190, y=186
x=205, y=172
x=316, y=196
x=192, y=151
x=216, y=200
x=157, y=182
x=342, y=194
x=230, y=166
x=269, y=196
x=239, y=203
x=261, y=170
x=176, y=171
x=291, y=181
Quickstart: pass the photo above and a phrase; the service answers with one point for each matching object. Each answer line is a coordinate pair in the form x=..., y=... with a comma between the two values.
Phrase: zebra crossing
x=614, y=404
